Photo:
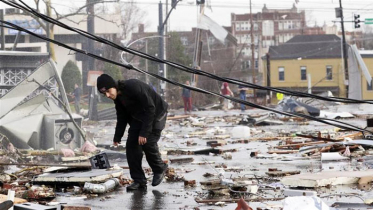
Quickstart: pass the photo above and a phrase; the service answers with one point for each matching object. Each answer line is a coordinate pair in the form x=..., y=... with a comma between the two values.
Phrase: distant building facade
x=317, y=56
x=271, y=27
x=25, y=42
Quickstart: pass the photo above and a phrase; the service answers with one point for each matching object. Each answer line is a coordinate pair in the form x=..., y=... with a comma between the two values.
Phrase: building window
x=255, y=26
x=281, y=73
x=303, y=73
x=245, y=65
x=329, y=73
x=280, y=25
x=237, y=27
x=211, y=40
x=184, y=41
x=369, y=87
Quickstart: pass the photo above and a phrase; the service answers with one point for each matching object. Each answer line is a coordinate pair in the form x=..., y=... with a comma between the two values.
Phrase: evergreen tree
x=113, y=70
x=71, y=76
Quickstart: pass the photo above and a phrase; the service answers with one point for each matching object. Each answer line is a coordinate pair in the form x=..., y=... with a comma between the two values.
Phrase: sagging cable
x=176, y=65
x=322, y=120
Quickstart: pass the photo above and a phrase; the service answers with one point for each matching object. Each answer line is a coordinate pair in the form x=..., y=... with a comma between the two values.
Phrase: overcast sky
x=185, y=15
x=317, y=11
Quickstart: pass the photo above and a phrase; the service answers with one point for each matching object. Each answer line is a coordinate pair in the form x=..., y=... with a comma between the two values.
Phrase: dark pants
x=135, y=154
x=187, y=104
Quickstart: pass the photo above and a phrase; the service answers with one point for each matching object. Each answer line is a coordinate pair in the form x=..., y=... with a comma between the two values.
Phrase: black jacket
x=138, y=105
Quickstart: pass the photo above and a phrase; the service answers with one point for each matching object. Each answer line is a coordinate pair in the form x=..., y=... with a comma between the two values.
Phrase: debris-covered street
x=213, y=162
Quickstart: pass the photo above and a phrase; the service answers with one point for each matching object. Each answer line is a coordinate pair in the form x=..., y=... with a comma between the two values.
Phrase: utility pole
x=198, y=47
x=146, y=62
x=161, y=47
x=92, y=114
x=252, y=51
x=2, y=31
x=344, y=49
x=268, y=78
x=50, y=34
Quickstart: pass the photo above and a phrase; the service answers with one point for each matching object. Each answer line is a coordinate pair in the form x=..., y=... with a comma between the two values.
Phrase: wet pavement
x=174, y=195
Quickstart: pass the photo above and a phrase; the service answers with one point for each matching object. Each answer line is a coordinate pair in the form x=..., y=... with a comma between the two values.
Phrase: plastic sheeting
x=305, y=203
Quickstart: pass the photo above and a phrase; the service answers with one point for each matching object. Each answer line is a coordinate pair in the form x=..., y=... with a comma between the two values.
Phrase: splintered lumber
x=41, y=164
x=270, y=138
x=319, y=138
x=326, y=178
x=283, y=151
x=299, y=145
x=212, y=201
x=46, y=152
x=83, y=166
x=16, y=200
x=178, y=117
x=352, y=136
x=282, y=173
x=182, y=160
x=94, y=175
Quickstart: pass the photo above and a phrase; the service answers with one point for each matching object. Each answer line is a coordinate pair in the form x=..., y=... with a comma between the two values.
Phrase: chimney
x=141, y=28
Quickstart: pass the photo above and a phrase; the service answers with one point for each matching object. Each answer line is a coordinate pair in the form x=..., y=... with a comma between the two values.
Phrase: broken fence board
x=326, y=178
x=236, y=200
x=178, y=117
x=94, y=175
x=16, y=200
x=282, y=173
x=283, y=151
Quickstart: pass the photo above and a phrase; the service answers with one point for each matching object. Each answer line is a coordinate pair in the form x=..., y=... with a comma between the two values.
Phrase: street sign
x=368, y=21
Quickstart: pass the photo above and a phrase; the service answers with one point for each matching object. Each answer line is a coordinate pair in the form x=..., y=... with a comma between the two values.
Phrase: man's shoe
x=136, y=186
x=157, y=178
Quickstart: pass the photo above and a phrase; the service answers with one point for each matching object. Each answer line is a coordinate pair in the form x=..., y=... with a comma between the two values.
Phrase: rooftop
x=308, y=46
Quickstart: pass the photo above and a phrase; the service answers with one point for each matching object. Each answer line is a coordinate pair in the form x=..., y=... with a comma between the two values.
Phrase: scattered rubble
x=238, y=159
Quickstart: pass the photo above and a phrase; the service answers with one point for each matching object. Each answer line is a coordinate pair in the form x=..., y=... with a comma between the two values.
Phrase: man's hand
x=115, y=144
x=142, y=140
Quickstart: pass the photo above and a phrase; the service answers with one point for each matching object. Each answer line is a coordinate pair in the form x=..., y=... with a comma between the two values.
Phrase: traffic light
x=357, y=21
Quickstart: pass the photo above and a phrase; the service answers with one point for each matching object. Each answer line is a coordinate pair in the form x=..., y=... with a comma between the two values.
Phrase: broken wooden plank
x=48, y=165
x=182, y=160
x=283, y=151
x=212, y=201
x=216, y=143
x=178, y=117
x=319, y=138
x=326, y=178
x=298, y=145
x=16, y=200
x=94, y=175
x=352, y=136
x=64, y=207
x=71, y=159
x=282, y=173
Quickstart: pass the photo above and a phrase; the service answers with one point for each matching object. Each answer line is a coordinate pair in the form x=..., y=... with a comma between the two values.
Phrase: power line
x=173, y=64
x=184, y=68
x=337, y=123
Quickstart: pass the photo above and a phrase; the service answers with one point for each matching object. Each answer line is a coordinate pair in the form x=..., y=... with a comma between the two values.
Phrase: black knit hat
x=104, y=83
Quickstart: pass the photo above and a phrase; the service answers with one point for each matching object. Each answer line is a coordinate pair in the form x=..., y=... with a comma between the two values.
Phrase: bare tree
x=367, y=37
x=39, y=4
x=132, y=16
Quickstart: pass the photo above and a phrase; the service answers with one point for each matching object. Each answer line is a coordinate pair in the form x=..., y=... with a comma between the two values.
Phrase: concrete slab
x=94, y=175
x=326, y=178
x=16, y=200
x=304, y=203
